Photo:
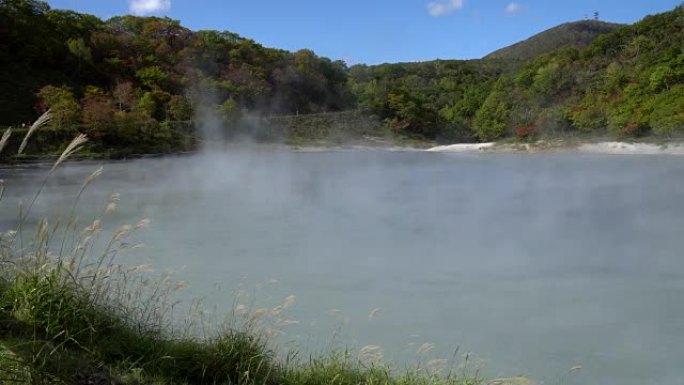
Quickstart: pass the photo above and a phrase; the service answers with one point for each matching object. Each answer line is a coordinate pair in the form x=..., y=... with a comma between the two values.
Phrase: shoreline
x=552, y=146
x=558, y=146
x=605, y=148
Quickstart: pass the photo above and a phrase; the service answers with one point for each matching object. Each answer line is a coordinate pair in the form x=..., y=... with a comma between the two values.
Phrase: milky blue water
x=532, y=263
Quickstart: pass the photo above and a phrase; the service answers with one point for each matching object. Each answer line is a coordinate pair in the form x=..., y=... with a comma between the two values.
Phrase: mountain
x=627, y=83
x=624, y=83
x=577, y=34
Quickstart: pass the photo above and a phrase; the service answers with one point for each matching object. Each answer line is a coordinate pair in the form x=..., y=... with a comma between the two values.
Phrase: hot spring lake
x=532, y=263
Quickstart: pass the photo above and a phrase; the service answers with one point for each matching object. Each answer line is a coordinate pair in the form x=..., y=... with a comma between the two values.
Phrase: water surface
x=534, y=263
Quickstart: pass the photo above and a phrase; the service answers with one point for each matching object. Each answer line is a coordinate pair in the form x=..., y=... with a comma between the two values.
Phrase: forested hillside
x=627, y=83
x=437, y=99
x=144, y=69
x=130, y=79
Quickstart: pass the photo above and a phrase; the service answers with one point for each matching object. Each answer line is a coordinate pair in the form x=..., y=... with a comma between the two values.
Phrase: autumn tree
x=124, y=96
x=98, y=110
x=65, y=108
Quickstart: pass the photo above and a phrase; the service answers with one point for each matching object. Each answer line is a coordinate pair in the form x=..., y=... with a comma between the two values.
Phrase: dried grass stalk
x=74, y=146
x=42, y=120
x=5, y=138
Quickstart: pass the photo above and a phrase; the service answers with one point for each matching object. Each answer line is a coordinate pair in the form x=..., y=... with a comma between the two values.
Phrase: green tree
x=662, y=77
x=230, y=111
x=180, y=108
x=615, y=77
x=551, y=79
x=589, y=114
x=667, y=116
x=151, y=76
x=147, y=105
x=154, y=105
x=629, y=115
x=410, y=113
x=491, y=121
x=81, y=51
x=65, y=108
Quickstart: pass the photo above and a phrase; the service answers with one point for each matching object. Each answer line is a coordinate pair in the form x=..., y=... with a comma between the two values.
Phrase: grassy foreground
x=71, y=314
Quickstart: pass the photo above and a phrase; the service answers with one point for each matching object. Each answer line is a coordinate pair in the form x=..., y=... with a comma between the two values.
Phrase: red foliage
x=97, y=112
x=525, y=131
x=634, y=129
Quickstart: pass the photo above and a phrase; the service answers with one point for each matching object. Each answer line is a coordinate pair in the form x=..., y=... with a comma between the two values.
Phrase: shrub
x=526, y=131
x=667, y=117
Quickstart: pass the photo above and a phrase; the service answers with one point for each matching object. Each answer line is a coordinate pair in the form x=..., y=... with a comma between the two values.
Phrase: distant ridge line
x=574, y=34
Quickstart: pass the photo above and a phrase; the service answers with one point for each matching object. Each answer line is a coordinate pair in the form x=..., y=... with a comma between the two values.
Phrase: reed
x=40, y=122
x=5, y=138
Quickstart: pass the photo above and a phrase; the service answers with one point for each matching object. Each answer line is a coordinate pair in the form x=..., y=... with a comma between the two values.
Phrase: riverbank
x=365, y=140
x=607, y=147
x=542, y=146
x=339, y=131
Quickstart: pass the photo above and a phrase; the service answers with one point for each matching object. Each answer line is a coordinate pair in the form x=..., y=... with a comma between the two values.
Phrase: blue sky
x=377, y=31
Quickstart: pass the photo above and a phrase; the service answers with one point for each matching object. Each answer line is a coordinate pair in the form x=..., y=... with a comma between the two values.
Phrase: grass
x=14, y=370
x=71, y=314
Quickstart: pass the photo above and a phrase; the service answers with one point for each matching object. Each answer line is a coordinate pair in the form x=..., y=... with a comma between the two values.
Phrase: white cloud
x=144, y=7
x=512, y=8
x=444, y=7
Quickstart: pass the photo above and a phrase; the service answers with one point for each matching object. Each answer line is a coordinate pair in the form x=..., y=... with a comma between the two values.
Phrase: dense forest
x=626, y=83
x=115, y=79
x=128, y=72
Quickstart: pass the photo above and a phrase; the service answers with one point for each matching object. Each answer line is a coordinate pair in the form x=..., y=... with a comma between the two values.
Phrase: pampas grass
x=5, y=139
x=73, y=147
x=40, y=122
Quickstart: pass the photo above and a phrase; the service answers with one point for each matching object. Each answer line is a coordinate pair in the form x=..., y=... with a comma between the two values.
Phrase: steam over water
x=534, y=263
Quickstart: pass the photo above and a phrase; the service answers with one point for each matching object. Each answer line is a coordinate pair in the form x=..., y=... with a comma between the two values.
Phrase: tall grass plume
x=40, y=122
